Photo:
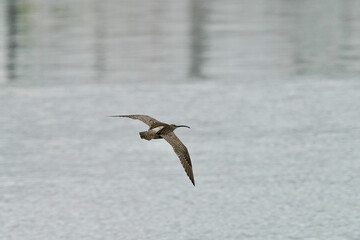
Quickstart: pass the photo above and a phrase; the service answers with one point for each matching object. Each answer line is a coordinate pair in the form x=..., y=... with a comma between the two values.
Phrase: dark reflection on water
x=99, y=48
x=110, y=40
x=11, y=34
x=198, y=38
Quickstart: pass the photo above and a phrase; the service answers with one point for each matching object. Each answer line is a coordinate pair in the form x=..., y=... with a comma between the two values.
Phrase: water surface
x=270, y=89
x=132, y=41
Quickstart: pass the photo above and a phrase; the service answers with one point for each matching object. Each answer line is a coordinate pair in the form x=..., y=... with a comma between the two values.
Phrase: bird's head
x=177, y=126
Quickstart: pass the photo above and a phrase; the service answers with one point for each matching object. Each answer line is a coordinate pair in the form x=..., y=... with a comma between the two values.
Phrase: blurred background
x=270, y=89
x=176, y=41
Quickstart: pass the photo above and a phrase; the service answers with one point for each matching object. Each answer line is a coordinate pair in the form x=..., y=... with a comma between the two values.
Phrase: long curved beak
x=182, y=126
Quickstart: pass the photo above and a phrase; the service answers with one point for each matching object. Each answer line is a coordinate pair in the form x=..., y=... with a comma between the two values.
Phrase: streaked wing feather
x=182, y=152
x=144, y=118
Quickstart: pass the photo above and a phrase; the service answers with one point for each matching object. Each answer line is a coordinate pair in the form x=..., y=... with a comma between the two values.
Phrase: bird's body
x=158, y=130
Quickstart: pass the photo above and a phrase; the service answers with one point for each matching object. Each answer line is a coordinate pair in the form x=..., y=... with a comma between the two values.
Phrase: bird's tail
x=146, y=135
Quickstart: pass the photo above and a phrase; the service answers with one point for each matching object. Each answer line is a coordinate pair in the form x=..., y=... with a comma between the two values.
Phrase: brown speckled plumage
x=158, y=130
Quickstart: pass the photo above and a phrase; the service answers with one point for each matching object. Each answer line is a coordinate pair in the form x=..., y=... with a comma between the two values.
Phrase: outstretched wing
x=182, y=152
x=144, y=118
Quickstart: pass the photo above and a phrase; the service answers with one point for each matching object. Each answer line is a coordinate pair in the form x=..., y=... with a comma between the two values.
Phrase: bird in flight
x=159, y=130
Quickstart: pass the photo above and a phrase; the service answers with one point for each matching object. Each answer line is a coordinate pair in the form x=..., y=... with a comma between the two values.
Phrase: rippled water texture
x=270, y=90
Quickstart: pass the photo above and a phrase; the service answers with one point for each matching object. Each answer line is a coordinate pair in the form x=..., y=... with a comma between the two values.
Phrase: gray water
x=270, y=89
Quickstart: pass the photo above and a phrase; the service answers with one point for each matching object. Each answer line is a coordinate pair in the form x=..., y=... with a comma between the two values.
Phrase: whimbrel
x=158, y=130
